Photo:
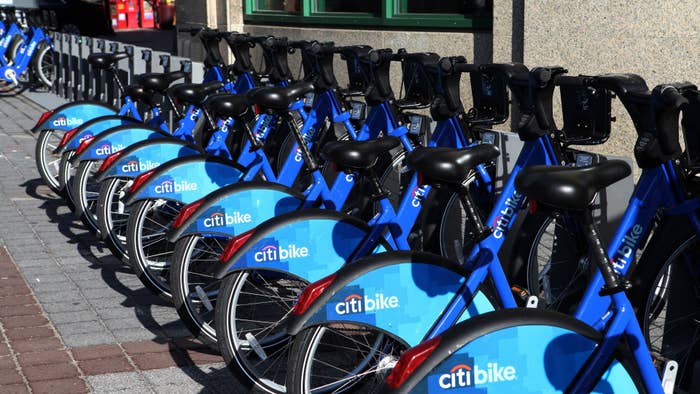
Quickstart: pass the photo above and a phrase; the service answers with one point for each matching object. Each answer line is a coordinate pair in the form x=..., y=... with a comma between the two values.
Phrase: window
x=419, y=14
x=291, y=6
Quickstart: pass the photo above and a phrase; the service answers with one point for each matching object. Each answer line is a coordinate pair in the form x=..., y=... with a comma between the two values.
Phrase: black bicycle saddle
x=450, y=165
x=569, y=188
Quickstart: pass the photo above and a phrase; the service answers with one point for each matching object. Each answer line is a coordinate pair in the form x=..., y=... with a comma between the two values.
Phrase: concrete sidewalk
x=72, y=317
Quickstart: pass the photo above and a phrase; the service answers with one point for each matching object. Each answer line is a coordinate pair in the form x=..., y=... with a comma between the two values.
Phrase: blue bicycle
x=267, y=267
x=53, y=124
x=203, y=228
x=29, y=54
x=659, y=188
x=116, y=174
x=84, y=186
x=602, y=352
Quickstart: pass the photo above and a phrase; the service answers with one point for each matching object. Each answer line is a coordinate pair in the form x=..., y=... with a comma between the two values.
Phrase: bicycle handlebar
x=673, y=94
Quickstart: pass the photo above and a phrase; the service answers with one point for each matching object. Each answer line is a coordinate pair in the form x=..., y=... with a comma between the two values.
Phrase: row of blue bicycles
x=26, y=51
x=330, y=238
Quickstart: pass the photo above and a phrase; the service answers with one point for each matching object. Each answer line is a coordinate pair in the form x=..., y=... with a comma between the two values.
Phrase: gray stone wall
x=650, y=38
x=655, y=39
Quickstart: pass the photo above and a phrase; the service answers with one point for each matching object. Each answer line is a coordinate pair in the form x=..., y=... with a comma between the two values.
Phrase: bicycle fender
x=147, y=155
x=309, y=244
x=93, y=128
x=117, y=139
x=515, y=350
x=72, y=115
x=400, y=293
x=238, y=208
x=187, y=179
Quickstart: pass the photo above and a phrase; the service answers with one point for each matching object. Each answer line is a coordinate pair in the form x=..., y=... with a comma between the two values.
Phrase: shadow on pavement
x=141, y=299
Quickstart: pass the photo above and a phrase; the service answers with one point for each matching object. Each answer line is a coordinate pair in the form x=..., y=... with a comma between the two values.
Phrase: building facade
x=656, y=39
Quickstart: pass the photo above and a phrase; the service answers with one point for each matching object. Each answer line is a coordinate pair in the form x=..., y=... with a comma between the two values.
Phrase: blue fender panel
x=309, y=244
x=147, y=155
x=238, y=208
x=187, y=179
x=95, y=127
x=72, y=115
x=117, y=139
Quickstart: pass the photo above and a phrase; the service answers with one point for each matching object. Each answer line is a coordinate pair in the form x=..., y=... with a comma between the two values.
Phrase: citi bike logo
x=355, y=303
x=418, y=195
x=62, y=121
x=306, y=137
x=138, y=166
x=32, y=46
x=463, y=375
x=175, y=187
x=271, y=253
x=500, y=224
x=260, y=132
x=194, y=114
x=218, y=219
x=107, y=149
x=626, y=250
x=85, y=137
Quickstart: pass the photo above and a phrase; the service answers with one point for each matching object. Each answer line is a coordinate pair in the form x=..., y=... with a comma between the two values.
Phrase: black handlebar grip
x=571, y=80
x=463, y=67
x=671, y=96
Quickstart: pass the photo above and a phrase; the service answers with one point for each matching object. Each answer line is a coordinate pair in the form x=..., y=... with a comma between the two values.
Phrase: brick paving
x=72, y=317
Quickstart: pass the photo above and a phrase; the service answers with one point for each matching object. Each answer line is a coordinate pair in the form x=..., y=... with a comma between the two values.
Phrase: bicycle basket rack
x=490, y=98
x=586, y=112
x=417, y=82
x=691, y=133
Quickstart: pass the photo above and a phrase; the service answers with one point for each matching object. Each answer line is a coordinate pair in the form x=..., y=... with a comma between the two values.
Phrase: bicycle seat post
x=481, y=231
x=613, y=282
x=311, y=163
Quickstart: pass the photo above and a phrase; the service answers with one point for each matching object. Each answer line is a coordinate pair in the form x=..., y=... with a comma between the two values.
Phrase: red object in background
x=147, y=16
x=133, y=14
x=166, y=13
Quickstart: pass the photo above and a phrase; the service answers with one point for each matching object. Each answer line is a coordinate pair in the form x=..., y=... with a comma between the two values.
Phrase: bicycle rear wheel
x=150, y=253
x=43, y=65
x=515, y=349
x=86, y=193
x=194, y=288
x=113, y=216
x=667, y=293
x=250, y=313
x=65, y=178
x=341, y=358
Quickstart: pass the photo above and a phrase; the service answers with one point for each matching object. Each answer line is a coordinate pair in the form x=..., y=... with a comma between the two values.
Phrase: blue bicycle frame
x=24, y=55
x=447, y=133
x=7, y=37
x=658, y=188
x=483, y=259
x=399, y=224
